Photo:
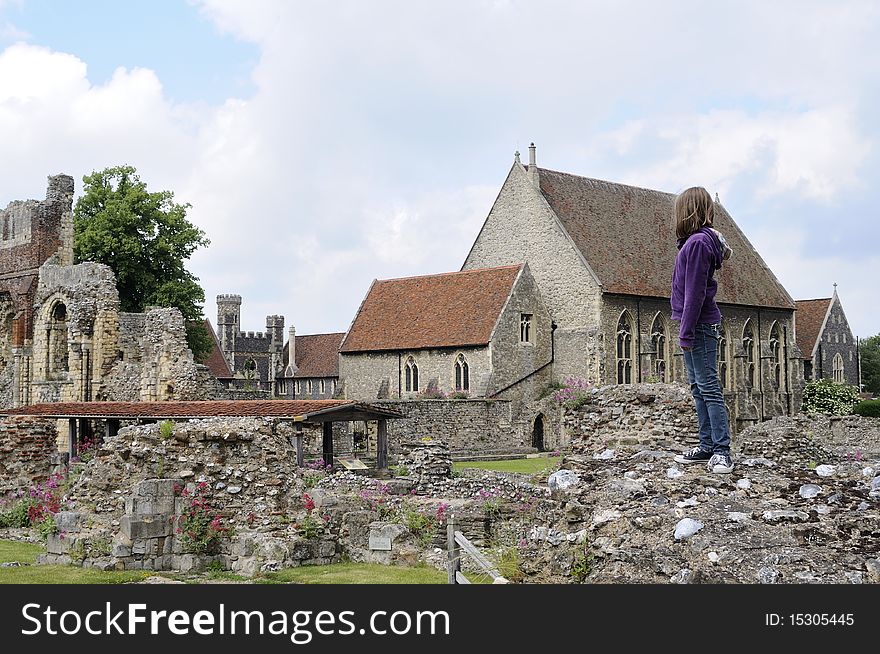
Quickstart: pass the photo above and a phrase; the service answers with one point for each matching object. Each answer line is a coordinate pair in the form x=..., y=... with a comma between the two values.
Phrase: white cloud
x=818, y=153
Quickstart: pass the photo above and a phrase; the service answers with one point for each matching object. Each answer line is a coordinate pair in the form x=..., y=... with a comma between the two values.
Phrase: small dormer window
x=525, y=328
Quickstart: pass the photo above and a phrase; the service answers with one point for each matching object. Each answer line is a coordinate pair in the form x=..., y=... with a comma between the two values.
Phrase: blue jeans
x=701, y=363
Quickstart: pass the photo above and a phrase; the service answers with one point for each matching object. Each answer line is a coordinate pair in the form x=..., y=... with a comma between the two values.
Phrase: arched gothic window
x=412, y=376
x=748, y=342
x=722, y=358
x=624, y=349
x=837, y=368
x=776, y=354
x=462, y=376
x=56, y=340
x=658, y=341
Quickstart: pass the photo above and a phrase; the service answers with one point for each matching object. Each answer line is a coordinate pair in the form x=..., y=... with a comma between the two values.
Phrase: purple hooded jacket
x=693, y=286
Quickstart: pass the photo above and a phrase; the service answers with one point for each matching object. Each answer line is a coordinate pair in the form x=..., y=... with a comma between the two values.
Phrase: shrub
x=432, y=393
x=201, y=527
x=575, y=393
x=309, y=526
x=829, y=397
x=582, y=566
x=16, y=515
x=421, y=525
x=166, y=429
x=868, y=408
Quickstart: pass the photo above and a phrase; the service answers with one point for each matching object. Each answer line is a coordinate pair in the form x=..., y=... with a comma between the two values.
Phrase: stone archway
x=538, y=433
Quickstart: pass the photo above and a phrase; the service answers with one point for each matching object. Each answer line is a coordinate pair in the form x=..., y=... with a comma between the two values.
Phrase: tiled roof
x=208, y=409
x=808, y=321
x=317, y=355
x=627, y=236
x=215, y=361
x=448, y=310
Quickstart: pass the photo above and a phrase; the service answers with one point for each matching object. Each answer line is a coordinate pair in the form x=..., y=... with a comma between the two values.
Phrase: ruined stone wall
x=629, y=415
x=468, y=426
x=28, y=453
x=156, y=363
x=30, y=233
x=76, y=332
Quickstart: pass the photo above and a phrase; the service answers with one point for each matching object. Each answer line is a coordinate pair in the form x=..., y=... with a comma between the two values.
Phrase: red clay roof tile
x=627, y=236
x=446, y=310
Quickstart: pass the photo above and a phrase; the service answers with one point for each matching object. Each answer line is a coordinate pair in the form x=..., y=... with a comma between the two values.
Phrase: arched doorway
x=538, y=433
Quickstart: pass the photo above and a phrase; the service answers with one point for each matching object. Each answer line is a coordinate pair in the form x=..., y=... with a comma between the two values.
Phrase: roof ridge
x=818, y=299
x=449, y=274
x=606, y=182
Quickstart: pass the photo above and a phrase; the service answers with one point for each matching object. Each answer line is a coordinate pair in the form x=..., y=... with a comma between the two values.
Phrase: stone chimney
x=291, y=368
x=533, y=167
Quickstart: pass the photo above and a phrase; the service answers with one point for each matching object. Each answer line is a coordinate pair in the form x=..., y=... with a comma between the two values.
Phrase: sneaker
x=696, y=455
x=720, y=463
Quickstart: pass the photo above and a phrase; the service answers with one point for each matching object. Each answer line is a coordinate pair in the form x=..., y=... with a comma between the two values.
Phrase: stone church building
x=826, y=342
x=602, y=255
x=471, y=334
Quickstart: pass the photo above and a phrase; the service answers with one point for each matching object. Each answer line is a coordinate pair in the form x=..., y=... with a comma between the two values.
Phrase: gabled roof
x=809, y=319
x=447, y=310
x=215, y=361
x=627, y=236
x=317, y=355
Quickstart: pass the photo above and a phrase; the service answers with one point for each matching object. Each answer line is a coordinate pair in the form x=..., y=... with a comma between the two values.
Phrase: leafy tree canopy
x=869, y=354
x=146, y=239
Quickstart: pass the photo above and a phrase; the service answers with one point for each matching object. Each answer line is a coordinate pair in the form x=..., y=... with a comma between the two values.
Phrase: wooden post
x=453, y=551
x=299, y=447
x=72, y=424
x=382, y=444
x=328, y=443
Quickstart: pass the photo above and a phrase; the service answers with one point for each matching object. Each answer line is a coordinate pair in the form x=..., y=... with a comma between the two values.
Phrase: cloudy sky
x=325, y=144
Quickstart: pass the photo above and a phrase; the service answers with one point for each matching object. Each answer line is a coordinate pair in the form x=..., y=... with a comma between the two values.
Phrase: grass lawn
x=340, y=573
x=355, y=573
x=526, y=466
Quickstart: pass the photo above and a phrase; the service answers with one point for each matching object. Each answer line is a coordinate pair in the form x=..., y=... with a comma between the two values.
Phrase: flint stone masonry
x=428, y=462
x=472, y=426
x=764, y=532
x=123, y=516
x=631, y=414
x=27, y=452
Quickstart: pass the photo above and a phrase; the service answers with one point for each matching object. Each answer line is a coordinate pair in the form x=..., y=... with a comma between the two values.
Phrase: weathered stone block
x=145, y=526
x=67, y=521
x=56, y=544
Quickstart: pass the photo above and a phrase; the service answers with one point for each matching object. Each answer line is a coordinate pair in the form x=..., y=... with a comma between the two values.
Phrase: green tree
x=869, y=355
x=146, y=239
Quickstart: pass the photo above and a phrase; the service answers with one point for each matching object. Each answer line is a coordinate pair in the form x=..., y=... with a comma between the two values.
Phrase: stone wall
x=28, y=454
x=156, y=362
x=627, y=415
x=514, y=363
x=468, y=426
x=747, y=402
x=76, y=332
x=31, y=233
x=383, y=375
x=798, y=508
x=521, y=227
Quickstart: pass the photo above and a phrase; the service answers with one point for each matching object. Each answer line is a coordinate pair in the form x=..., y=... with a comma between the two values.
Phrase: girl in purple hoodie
x=701, y=251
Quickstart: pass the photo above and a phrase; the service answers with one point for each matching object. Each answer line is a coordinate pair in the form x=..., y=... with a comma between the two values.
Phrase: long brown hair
x=693, y=209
